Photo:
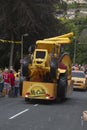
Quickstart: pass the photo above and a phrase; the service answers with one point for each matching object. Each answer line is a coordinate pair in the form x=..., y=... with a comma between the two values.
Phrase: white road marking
x=36, y=105
x=18, y=114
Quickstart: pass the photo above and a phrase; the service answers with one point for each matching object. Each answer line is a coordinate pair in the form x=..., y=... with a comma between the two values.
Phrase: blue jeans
x=16, y=91
x=1, y=86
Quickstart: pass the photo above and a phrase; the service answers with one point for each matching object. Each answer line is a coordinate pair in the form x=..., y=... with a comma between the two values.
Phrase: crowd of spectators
x=80, y=67
x=9, y=82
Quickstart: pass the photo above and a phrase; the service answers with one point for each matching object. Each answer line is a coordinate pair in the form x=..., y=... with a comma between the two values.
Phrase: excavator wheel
x=62, y=86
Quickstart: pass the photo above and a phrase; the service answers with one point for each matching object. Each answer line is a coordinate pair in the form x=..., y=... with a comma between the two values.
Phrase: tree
x=35, y=17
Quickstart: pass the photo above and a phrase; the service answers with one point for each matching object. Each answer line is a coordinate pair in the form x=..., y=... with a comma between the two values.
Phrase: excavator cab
x=40, y=57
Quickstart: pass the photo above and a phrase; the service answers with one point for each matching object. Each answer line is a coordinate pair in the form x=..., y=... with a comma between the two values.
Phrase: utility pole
x=74, y=58
x=11, y=54
x=22, y=38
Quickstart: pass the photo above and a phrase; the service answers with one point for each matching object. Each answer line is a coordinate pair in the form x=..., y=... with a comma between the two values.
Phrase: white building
x=78, y=1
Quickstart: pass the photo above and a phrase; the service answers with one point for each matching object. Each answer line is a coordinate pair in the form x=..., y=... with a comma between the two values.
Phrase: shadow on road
x=45, y=102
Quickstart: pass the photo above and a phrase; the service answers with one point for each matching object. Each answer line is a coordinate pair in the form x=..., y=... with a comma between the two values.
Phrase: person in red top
x=6, y=81
x=12, y=82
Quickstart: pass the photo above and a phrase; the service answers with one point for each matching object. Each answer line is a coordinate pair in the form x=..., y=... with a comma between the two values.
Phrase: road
x=16, y=114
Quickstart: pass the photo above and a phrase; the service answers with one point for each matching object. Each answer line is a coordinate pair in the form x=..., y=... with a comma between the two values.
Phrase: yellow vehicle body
x=49, y=72
x=46, y=91
x=39, y=90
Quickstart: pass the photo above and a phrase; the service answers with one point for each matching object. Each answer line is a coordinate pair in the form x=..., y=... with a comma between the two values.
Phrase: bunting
x=9, y=41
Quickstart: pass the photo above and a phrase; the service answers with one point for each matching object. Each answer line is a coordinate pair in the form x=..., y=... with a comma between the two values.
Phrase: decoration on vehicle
x=37, y=90
x=67, y=61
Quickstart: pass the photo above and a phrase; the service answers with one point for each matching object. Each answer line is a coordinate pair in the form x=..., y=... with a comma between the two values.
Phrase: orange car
x=79, y=80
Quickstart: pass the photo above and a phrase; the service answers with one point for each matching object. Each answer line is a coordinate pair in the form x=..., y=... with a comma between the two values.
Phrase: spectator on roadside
x=85, y=69
x=16, y=85
x=6, y=81
x=82, y=68
x=76, y=67
x=12, y=83
x=73, y=67
x=1, y=82
x=21, y=83
x=12, y=69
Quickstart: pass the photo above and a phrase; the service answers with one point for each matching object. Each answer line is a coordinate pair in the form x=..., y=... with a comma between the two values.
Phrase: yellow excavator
x=48, y=70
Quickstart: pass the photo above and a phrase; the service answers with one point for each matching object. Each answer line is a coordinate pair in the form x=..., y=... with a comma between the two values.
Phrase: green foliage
x=76, y=25
x=81, y=55
x=35, y=17
x=72, y=6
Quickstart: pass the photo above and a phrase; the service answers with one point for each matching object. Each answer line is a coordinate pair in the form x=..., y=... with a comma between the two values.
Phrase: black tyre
x=62, y=86
x=53, y=67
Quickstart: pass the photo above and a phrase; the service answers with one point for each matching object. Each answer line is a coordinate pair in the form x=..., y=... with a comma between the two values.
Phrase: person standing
x=6, y=81
x=21, y=83
x=12, y=83
x=16, y=85
x=1, y=82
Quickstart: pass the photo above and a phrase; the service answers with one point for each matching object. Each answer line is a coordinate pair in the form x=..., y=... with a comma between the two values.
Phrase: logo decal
x=37, y=90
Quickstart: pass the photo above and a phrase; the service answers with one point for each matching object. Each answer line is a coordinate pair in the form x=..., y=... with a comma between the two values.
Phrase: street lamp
x=23, y=35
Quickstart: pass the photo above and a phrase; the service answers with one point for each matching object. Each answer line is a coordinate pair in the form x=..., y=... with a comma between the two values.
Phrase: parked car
x=79, y=80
